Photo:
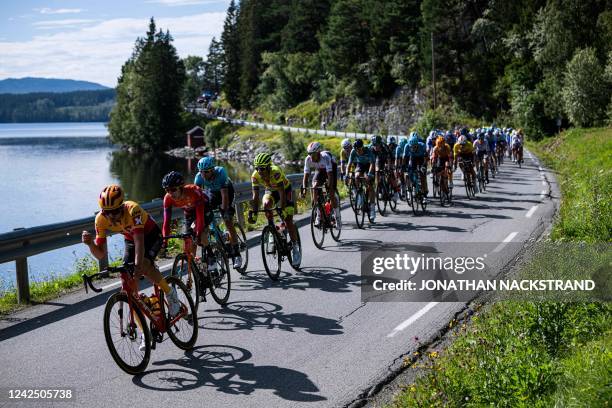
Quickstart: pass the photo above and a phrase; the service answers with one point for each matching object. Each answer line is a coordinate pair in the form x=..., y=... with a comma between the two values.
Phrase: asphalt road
x=307, y=340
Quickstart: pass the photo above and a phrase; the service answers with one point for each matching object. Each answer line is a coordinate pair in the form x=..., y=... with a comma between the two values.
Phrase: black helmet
x=358, y=144
x=173, y=179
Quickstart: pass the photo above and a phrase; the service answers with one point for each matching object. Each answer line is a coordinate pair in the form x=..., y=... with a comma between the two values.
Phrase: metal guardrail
x=306, y=131
x=22, y=243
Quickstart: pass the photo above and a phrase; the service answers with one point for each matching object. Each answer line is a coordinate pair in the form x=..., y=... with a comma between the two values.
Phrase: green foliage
x=78, y=106
x=214, y=67
x=194, y=70
x=293, y=146
x=230, y=41
x=149, y=92
x=214, y=133
x=586, y=92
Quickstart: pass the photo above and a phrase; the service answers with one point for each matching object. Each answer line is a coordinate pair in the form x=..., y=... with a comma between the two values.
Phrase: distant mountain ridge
x=29, y=85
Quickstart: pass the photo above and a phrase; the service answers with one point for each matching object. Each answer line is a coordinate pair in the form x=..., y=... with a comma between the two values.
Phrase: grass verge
x=537, y=354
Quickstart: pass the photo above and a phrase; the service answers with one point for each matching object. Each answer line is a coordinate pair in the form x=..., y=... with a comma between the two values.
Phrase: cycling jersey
x=134, y=220
x=277, y=179
x=219, y=181
x=463, y=150
x=399, y=151
x=326, y=161
x=421, y=151
x=344, y=155
x=443, y=152
x=392, y=148
x=194, y=200
x=481, y=147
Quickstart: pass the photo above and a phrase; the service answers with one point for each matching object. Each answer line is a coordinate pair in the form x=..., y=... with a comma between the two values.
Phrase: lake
x=53, y=172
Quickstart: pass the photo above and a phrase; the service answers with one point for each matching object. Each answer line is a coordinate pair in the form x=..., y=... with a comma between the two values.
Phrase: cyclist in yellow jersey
x=465, y=150
x=277, y=190
x=143, y=238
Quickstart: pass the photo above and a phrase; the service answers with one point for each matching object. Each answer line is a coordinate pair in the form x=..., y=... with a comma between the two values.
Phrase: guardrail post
x=23, y=282
x=240, y=214
x=103, y=263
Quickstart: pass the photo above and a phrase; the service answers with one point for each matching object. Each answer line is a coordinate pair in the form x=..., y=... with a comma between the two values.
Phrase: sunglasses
x=207, y=171
x=171, y=189
x=260, y=169
x=113, y=212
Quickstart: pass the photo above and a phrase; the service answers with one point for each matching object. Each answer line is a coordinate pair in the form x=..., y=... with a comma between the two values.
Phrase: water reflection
x=141, y=174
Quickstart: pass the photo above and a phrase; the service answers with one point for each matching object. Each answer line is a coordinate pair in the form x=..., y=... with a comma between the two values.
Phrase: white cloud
x=97, y=51
x=175, y=3
x=47, y=10
x=68, y=23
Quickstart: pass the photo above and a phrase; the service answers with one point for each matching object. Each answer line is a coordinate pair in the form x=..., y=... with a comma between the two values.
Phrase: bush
x=293, y=146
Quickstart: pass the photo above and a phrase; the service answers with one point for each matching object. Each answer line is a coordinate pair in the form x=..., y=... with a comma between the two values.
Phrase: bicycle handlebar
x=88, y=279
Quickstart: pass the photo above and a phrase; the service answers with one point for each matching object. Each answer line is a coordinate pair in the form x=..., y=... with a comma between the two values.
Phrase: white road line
x=531, y=211
x=117, y=283
x=412, y=319
x=502, y=244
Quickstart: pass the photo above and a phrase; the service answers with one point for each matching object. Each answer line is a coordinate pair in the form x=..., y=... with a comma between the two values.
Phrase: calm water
x=53, y=172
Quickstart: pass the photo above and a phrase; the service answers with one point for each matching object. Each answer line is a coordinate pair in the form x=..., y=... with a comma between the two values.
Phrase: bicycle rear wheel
x=381, y=197
x=317, y=231
x=123, y=336
x=243, y=248
x=180, y=269
x=184, y=332
x=270, y=248
x=220, y=281
x=336, y=221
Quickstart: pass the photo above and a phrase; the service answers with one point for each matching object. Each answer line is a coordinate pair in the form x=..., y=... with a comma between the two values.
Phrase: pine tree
x=149, y=92
x=306, y=20
x=214, y=67
x=230, y=42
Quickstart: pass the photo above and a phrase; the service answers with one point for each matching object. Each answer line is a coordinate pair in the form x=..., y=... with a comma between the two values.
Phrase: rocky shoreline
x=243, y=151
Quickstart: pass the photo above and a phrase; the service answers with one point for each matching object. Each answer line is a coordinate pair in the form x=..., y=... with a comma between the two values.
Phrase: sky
x=90, y=40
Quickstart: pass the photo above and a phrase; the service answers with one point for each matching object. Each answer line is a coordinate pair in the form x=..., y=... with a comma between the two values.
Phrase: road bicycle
x=481, y=175
x=500, y=152
x=220, y=234
x=193, y=271
x=362, y=201
x=445, y=193
x=416, y=194
x=517, y=152
x=126, y=313
x=384, y=192
x=467, y=169
x=323, y=218
x=276, y=245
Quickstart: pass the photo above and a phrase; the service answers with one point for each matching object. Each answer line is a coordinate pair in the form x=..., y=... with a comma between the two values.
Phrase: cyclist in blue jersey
x=365, y=165
x=415, y=155
x=216, y=181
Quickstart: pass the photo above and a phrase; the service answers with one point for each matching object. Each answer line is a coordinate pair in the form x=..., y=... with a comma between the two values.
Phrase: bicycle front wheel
x=189, y=275
x=124, y=334
x=317, y=230
x=270, y=252
x=359, y=205
x=243, y=248
x=184, y=331
x=220, y=281
x=299, y=244
x=336, y=220
x=382, y=197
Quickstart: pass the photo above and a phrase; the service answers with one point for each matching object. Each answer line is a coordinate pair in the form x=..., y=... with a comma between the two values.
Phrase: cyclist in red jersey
x=194, y=202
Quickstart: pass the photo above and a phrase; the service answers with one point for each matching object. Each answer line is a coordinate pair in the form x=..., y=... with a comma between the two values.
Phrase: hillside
x=29, y=85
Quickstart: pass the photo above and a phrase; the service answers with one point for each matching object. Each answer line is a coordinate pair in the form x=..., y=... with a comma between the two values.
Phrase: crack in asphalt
x=341, y=318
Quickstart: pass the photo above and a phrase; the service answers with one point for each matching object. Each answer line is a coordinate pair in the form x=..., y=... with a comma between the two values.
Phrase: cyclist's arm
x=167, y=216
x=224, y=199
x=255, y=199
x=98, y=248
x=139, y=248
x=199, y=210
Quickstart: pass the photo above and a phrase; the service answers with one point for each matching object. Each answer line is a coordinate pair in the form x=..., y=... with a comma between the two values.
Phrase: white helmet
x=314, y=147
x=345, y=143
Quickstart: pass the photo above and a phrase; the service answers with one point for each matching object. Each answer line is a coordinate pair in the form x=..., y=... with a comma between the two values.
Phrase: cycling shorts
x=152, y=242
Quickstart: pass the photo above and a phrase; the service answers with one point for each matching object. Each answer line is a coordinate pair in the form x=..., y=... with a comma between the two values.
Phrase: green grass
x=538, y=354
x=582, y=159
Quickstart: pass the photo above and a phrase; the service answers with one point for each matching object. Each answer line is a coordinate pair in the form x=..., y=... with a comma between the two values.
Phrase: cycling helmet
x=173, y=179
x=345, y=143
x=392, y=140
x=263, y=160
x=462, y=140
x=111, y=197
x=358, y=144
x=440, y=141
x=206, y=163
x=375, y=140
x=314, y=147
x=414, y=134
x=413, y=141
x=403, y=141
x=480, y=136
x=464, y=131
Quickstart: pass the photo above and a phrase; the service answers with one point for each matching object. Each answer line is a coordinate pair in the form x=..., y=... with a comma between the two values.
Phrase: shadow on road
x=223, y=368
x=249, y=315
